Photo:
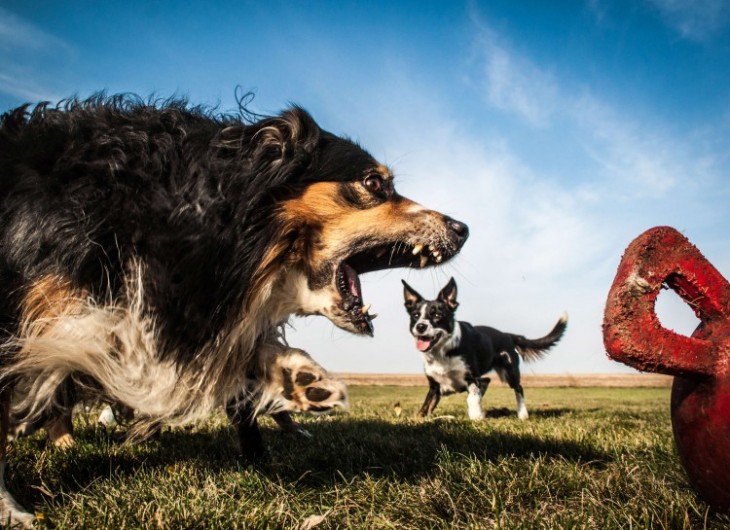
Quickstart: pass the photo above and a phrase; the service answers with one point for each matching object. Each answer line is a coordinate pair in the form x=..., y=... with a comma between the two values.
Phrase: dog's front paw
x=300, y=384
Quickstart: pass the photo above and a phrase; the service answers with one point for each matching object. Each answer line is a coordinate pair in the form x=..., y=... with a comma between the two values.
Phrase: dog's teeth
x=439, y=259
x=380, y=254
x=373, y=316
x=424, y=260
x=364, y=309
x=417, y=249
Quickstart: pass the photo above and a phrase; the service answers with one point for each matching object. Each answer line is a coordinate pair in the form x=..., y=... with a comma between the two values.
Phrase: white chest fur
x=449, y=372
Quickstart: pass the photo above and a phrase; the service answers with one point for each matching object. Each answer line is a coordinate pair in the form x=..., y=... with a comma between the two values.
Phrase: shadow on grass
x=342, y=449
x=504, y=412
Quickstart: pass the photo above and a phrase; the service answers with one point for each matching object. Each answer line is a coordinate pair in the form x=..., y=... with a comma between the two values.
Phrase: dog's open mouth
x=426, y=343
x=379, y=257
x=348, y=283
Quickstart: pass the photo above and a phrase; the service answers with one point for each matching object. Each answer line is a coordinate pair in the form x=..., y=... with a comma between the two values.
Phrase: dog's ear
x=274, y=146
x=411, y=297
x=448, y=295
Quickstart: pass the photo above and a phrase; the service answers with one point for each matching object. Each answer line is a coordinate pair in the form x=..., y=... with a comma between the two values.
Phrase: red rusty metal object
x=700, y=364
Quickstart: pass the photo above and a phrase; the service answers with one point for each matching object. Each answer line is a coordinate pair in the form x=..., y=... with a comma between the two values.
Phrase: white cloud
x=514, y=84
x=25, y=89
x=633, y=158
x=697, y=20
x=22, y=46
x=641, y=159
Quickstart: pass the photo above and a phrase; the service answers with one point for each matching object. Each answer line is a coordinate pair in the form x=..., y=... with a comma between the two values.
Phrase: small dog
x=457, y=356
x=151, y=249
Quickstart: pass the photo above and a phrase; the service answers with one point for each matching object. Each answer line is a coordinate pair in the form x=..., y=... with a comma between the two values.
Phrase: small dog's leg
x=432, y=398
x=474, y=401
x=521, y=407
x=9, y=508
x=242, y=416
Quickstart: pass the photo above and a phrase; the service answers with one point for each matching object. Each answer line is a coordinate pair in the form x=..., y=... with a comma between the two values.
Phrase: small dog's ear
x=448, y=295
x=411, y=297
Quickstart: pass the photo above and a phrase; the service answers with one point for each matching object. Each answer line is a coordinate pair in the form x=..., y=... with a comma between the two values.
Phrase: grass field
x=587, y=458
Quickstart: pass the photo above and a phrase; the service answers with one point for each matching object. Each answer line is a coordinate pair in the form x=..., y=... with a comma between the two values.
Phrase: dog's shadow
x=504, y=412
x=341, y=449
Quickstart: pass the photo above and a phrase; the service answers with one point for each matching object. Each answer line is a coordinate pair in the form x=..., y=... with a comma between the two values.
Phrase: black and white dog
x=457, y=356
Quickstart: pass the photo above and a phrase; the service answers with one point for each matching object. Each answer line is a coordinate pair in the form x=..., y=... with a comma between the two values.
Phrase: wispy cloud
x=639, y=157
x=17, y=33
x=25, y=89
x=635, y=157
x=514, y=84
x=697, y=20
x=23, y=45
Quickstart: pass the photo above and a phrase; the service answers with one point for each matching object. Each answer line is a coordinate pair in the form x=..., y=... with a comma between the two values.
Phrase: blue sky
x=557, y=130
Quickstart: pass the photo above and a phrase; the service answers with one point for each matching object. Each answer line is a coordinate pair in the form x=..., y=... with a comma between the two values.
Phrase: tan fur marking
x=321, y=204
x=322, y=207
x=47, y=299
x=384, y=171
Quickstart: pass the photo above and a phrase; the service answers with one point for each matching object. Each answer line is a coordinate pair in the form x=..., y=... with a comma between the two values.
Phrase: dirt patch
x=528, y=380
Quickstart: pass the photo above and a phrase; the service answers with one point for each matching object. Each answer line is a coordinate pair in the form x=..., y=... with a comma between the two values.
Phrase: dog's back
x=529, y=349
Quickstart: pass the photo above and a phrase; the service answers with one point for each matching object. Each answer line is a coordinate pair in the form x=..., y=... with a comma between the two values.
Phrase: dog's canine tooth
x=439, y=259
x=364, y=309
x=373, y=316
x=417, y=249
x=424, y=260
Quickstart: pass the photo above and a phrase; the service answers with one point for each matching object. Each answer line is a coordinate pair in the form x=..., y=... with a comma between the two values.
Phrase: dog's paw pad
x=306, y=386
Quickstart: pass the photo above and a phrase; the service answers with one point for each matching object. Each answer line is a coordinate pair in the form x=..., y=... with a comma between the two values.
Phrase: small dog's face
x=345, y=228
x=432, y=322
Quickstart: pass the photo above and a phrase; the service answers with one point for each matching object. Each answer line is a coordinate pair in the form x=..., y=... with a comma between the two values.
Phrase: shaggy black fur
x=87, y=185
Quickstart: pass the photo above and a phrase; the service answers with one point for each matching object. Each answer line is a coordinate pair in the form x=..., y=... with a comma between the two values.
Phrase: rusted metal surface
x=700, y=364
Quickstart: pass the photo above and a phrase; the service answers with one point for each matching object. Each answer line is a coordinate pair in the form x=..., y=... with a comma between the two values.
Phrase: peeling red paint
x=633, y=335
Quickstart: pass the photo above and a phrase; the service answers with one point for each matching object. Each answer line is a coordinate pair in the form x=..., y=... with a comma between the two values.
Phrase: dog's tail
x=534, y=349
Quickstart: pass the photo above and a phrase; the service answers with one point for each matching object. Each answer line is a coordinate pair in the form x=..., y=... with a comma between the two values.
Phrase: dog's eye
x=373, y=183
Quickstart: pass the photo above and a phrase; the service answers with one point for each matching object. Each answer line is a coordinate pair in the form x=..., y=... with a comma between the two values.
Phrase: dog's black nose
x=461, y=230
x=421, y=327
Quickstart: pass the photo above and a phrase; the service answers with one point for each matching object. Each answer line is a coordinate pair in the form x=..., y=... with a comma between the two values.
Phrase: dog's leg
x=511, y=374
x=9, y=508
x=243, y=417
x=432, y=398
x=520, y=398
x=59, y=427
x=287, y=424
x=474, y=400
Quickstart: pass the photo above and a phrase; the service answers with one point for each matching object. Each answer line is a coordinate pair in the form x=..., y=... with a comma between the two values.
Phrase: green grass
x=586, y=458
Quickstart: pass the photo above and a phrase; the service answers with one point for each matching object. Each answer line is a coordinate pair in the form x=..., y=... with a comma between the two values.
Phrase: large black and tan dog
x=458, y=356
x=150, y=250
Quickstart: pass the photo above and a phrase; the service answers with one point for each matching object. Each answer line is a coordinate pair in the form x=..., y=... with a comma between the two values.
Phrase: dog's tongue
x=422, y=344
x=353, y=281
